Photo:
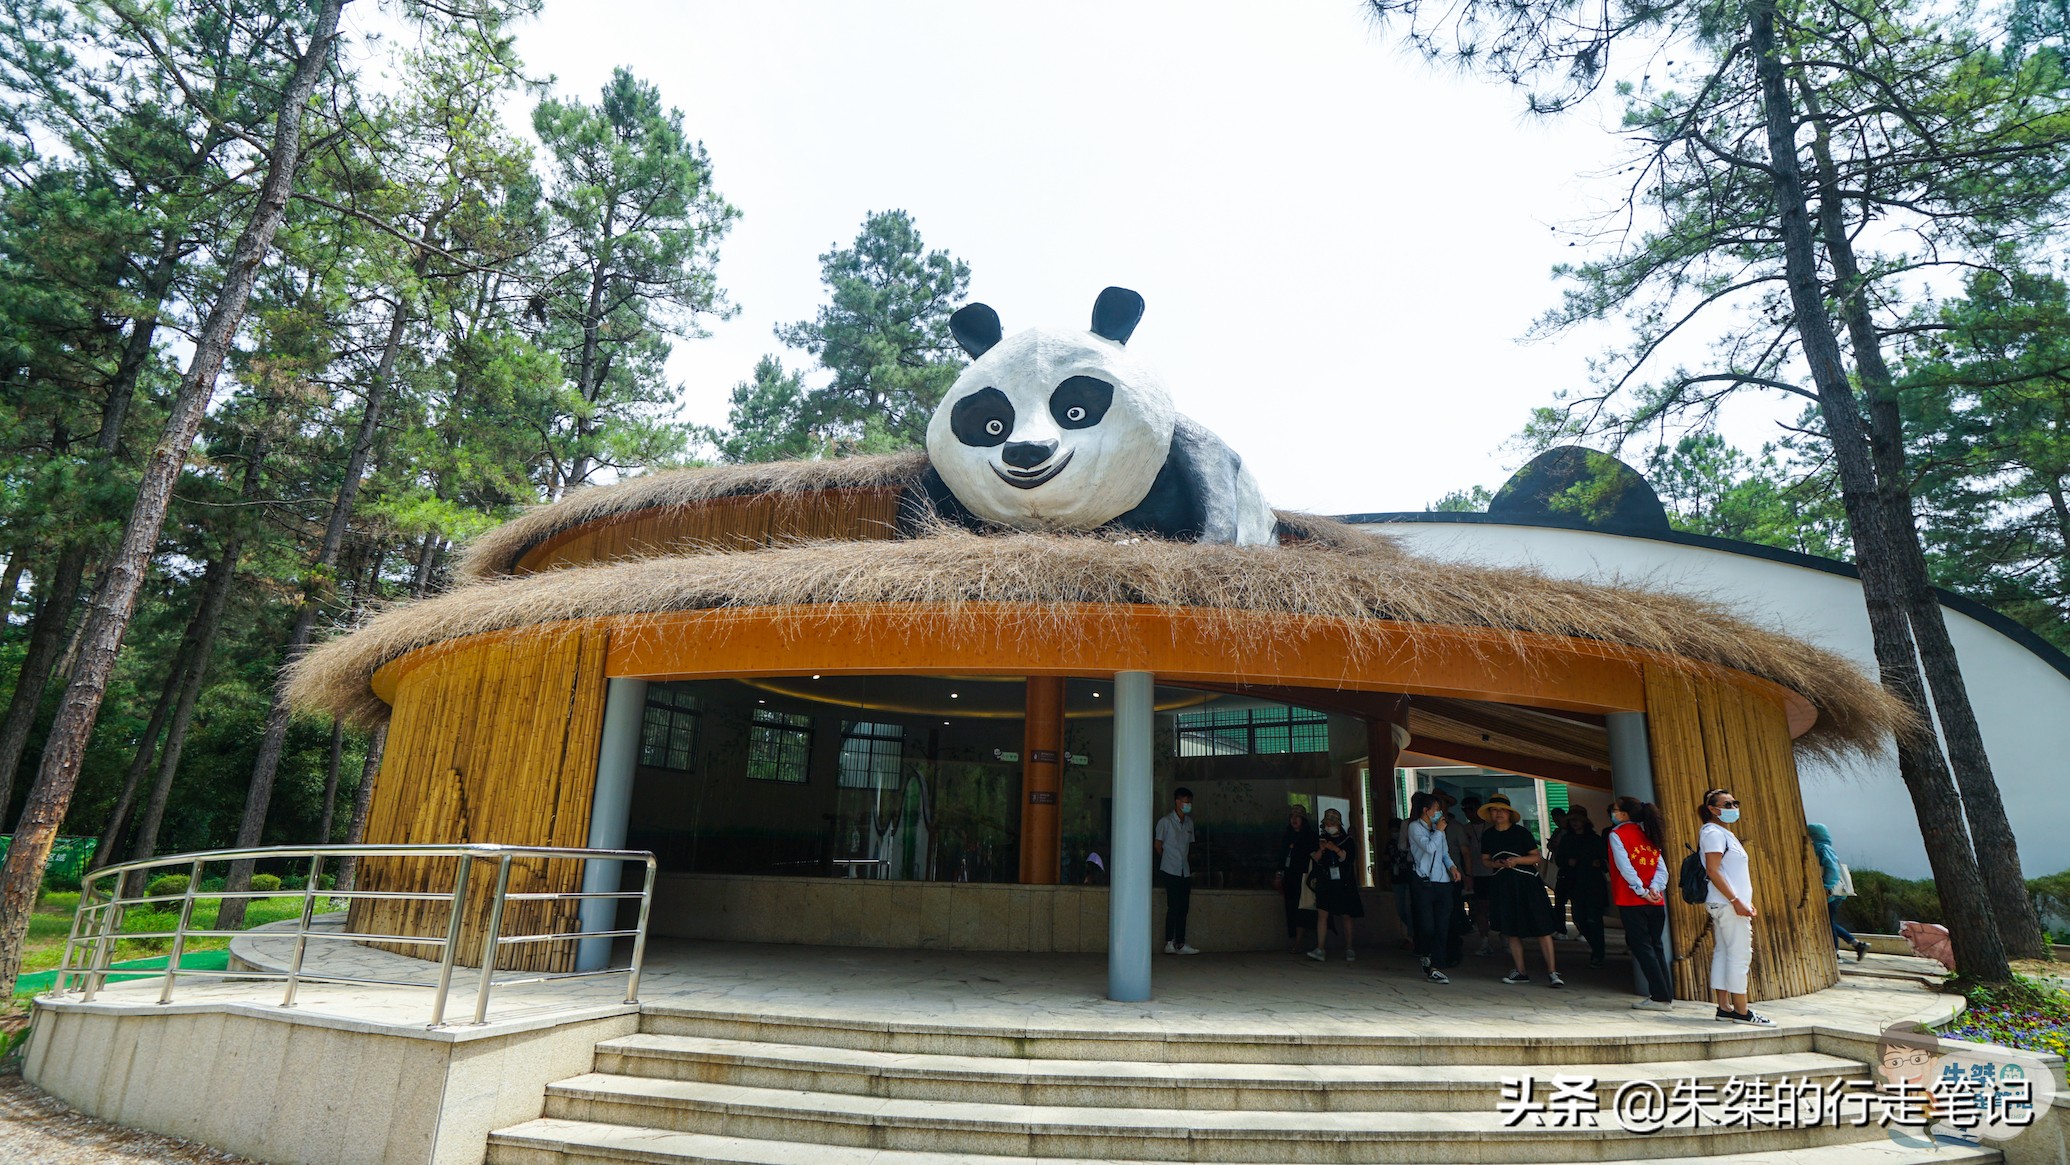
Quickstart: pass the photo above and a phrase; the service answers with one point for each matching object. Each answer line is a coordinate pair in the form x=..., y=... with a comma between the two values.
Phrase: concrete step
x=1689, y=1033
x=1320, y=1087
x=967, y=1129
x=565, y=1142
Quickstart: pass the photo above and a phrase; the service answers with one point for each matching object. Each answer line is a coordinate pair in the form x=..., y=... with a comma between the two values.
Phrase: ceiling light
x=815, y=675
x=954, y=696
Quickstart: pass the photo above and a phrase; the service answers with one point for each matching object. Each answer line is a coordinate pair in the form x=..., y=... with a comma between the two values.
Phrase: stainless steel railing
x=97, y=924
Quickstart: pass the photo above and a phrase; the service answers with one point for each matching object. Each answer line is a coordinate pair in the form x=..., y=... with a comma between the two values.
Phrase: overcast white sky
x=1339, y=246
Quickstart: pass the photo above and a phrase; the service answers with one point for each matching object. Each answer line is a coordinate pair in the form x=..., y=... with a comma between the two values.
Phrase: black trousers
x=1178, y=899
x=1432, y=903
x=1588, y=904
x=1642, y=929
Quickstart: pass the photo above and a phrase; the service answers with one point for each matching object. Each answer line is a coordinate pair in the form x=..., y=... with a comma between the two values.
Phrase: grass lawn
x=53, y=921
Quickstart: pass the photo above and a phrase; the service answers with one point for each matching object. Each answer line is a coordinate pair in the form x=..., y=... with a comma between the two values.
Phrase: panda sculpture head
x=1055, y=428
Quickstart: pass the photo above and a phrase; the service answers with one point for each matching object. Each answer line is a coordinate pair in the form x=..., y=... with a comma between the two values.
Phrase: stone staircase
x=703, y=1086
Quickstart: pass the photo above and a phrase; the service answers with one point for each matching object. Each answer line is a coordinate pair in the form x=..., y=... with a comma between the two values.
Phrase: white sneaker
x=1187, y=950
x=1350, y=956
x=1317, y=955
x=1170, y=947
x=1652, y=1005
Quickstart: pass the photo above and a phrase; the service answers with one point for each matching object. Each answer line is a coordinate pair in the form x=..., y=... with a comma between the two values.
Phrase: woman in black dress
x=1294, y=847
x=1518, y=895
x=1334, y=870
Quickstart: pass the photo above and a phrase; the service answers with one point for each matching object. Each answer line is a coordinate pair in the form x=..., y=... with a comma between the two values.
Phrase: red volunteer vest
x=1644, y=858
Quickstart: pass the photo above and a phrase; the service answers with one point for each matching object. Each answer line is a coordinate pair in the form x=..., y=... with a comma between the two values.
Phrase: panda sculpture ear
x=1115, y=314
x=976, y=328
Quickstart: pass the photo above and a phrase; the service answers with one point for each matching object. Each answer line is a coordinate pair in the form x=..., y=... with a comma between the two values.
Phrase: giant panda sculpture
x=1060, y=429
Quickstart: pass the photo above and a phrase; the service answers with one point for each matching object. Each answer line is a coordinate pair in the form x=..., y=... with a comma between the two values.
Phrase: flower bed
x=2030, y=1014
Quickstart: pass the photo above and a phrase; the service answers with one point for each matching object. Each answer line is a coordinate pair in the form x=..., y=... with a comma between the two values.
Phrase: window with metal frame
x=1266, y=731
x=668, y=732
x=779, y=747
x=871, y=754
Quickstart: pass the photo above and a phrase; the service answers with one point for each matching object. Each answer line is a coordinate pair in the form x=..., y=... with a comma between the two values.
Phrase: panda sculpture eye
x=1081, y=401
x=982, y=419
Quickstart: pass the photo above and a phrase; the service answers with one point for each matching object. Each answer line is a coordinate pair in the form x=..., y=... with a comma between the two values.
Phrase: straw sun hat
x=1500, y=801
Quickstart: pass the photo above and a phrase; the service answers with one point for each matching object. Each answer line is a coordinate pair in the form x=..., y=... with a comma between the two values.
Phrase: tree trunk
x=362, y=802
x=140, y=763
x=266, y=767
x=330, y=781
x=208, y=618
x=1991, y=836
x=55, y=601
x=1979, y=951
x=115, y=596
x=10, y=588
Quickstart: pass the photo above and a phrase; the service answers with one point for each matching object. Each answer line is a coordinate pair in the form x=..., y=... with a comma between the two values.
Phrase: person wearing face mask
x=1434, y=874
x=1334, y=870
x=1174, y=847
x=1638, y=886
x=1294, y=848
x=1730, y=904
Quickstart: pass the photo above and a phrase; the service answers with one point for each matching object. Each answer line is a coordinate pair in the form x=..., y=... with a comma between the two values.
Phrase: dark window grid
x=871, y=755
x=1253, y=731
x=779, y=747
x=668, y=737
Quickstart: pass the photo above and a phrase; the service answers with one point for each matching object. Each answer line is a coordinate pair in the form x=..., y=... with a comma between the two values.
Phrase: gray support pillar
x=625, y=706
x=1129, y=867
x=1631, y=775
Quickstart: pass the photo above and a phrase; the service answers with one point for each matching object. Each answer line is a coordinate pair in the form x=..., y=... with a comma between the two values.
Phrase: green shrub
x=165, y=884
x=1880, y=902
x=266, y=883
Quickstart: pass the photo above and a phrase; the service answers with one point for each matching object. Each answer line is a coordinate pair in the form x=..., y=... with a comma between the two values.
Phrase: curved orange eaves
x=1098, y=639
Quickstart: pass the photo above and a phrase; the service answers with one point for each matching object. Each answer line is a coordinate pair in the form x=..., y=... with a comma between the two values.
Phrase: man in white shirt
x=1174, y=846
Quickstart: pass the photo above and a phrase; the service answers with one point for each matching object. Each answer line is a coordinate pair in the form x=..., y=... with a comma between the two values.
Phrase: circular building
x=838, y=718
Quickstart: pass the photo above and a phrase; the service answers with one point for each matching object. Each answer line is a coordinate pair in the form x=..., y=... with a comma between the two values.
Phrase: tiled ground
x=1234, y=993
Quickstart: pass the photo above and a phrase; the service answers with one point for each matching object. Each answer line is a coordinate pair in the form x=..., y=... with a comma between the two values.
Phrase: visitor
x=1174, y=846
x=1434, y=874
x=1829, y=867
x=1334, y=869
x=1479, y=881
x=1639, y=888
x=1731, y=906
x=1559, y=888
x=1292, y=877
x=1095, y=868
x=1462, y=841
x=1401, y=875
x=1579, y=856
x=1521, y=910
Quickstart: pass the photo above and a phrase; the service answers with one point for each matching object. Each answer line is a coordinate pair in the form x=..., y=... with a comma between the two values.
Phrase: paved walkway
x=1246, y=993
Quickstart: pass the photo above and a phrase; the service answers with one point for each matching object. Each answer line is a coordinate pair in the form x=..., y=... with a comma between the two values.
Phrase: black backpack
x=1694, y=879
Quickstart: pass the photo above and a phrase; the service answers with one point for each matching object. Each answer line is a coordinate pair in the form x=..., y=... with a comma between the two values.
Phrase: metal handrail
x=97, y=924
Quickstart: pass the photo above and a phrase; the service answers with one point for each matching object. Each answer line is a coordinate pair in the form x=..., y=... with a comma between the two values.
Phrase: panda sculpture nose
x=1027, y=454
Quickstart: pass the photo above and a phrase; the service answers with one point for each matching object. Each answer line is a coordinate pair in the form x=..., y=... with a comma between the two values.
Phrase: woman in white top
x=1731, y=906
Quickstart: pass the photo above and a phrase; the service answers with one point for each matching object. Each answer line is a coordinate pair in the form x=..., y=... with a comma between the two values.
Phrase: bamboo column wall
x=495, y=742
x=1707, y=733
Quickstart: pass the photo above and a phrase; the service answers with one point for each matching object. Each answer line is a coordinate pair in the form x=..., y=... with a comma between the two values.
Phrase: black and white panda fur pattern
x=1060, y=429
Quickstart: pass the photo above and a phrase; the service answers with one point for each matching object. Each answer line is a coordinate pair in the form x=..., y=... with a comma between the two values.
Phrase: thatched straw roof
x=1335, y=572
x=494, y=553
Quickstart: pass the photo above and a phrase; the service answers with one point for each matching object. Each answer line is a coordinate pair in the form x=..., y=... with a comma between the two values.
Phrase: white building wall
x=2022, y=703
